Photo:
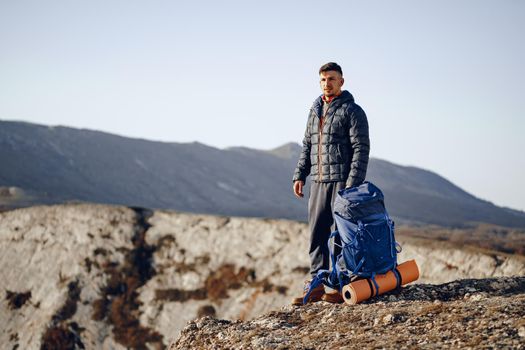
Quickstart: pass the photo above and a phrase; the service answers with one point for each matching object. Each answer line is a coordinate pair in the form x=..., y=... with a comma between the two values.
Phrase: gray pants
x=321, y=222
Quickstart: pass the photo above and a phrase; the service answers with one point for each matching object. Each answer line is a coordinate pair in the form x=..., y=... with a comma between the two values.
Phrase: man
x=335, y=155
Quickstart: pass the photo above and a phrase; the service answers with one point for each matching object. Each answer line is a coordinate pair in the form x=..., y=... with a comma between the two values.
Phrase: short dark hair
x=331, y=66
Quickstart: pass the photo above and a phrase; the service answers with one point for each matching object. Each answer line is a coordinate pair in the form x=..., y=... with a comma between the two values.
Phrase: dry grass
x=206, y=310
x=220, y=281
x=17, y=300
x=430, y=309
x=180, y=295
x=484, y=236
x=119, y=303
x=62, y=334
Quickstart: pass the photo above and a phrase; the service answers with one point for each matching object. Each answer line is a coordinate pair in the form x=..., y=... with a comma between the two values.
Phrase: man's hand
x=298, y=188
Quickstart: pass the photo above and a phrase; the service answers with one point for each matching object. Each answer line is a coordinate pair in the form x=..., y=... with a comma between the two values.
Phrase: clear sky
x=442, y=82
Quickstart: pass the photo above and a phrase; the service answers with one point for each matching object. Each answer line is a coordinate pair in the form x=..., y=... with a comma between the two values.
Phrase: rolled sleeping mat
x=408, y=271
x=364, y=289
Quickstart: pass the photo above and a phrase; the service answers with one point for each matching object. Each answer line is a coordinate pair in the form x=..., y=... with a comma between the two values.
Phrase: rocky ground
x=110, y=277
x=485, y=313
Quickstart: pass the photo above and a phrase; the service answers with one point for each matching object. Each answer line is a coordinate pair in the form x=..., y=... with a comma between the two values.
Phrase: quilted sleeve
x=304, y=164
x=360, y=141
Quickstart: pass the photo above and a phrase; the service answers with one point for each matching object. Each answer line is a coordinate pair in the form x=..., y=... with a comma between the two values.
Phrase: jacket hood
x=345, y=96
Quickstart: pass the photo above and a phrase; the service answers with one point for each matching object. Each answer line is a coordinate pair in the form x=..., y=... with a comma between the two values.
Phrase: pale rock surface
x=42, y=250
x=443, y=262
x=93, y=269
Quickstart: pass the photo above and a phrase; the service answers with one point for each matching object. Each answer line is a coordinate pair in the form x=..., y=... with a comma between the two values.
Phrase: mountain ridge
x=61, y=164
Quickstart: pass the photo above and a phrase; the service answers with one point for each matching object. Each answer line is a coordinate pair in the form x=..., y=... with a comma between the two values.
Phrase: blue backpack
x=366, y=233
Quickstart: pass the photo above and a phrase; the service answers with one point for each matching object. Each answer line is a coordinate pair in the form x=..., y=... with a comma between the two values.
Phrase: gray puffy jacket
x=338, y=142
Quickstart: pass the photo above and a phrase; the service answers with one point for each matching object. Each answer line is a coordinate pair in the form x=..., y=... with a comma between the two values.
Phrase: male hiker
x=335, y=155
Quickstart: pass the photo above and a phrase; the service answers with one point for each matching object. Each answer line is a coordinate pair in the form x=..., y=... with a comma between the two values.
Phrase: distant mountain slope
x=56, y=164
x=62, y=164
x=420, y=195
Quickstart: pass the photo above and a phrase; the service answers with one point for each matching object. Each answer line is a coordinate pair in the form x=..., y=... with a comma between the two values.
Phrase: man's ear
x=342, y=81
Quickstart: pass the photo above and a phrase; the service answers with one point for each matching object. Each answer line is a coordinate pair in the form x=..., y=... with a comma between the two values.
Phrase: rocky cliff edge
x=110, y=277
x=483, y=313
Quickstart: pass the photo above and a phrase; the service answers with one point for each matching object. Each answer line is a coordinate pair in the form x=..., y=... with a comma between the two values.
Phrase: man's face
x=331, y=83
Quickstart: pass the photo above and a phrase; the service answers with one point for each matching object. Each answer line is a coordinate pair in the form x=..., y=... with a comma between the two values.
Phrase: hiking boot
x=315, y=295
x=335, y=298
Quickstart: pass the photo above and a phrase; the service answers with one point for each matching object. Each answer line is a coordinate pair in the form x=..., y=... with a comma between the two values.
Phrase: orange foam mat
x=364, y=289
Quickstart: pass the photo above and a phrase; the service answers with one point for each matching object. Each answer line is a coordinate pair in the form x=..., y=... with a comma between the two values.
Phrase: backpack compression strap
x=333, y=278
x=316, y=282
